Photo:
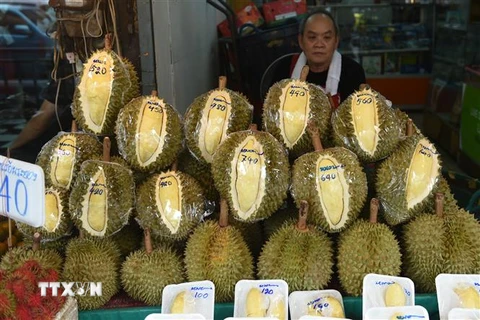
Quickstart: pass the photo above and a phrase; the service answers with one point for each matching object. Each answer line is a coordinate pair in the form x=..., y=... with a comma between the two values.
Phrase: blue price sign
x=22, y=191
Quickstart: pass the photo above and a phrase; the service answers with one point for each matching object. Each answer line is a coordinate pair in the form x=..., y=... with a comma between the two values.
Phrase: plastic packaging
x=324, y=303
x=184, y=316
x=261, y=298
x=320, y=318
x=464, y=314
x=102, y=198
x=69, y=310
x=190, y=298
x=387, y=291
x=457, y=291
x=396, y=313
x=149, y=133
x=170, y=204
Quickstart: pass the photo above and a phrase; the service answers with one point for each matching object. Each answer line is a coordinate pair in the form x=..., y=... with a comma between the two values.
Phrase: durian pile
x=208, y=196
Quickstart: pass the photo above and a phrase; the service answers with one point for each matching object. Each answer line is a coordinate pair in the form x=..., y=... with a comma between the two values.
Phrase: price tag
x=22, y=191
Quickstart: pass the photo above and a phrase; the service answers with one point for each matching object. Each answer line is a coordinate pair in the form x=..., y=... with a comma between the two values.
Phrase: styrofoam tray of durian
x=457, y=291
x=397, y=313
x=464, y=314
x=190, y=298
x=324, y=303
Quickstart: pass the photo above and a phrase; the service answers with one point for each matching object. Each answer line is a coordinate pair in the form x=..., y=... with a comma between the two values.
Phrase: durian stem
x=254, y=127
x=107, y=144
x=74, y=126
x=222, y=82
x=36, y=241
x=81, y=234
x=155, y=93
x=148, y=241
x=409, y=128
x=374, y=203
x=223, y=221
x=330, y=99
x=315, y=136
x=174, y=166
x=108, y=41
x=9, y=240
x=439, y=204
x=304, y=73
x=302, y=216
x=363, y=86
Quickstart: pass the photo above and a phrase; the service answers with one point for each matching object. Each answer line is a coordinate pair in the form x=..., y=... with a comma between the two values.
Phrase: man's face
x=319, y=40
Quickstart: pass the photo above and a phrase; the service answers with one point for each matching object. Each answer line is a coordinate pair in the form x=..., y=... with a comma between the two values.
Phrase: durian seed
x=150, y=128
x=394, y=296
x=96, y=203
x=365, y=120
x=294, y=111
x=422, y=173
x=469, y=297
x=53, y=207
x=62, y=164
x=256, y=303
x=169, y=195
x=248, y=169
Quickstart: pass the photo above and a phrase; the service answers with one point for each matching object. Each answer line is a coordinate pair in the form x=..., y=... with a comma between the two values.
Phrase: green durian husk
x=240, y=119
x=320, y=114
x=304, y=185
x=87, y=147
x=402, y=120
x=93, y=260
x=121, y=194
x=366, y=248
x=277, y=174
x=276, y=220
x=192, y=207
x=15, y=258
x=389, y=132
x=144, y=276
x=304, y=259
x=126, y=135
x=219, y=255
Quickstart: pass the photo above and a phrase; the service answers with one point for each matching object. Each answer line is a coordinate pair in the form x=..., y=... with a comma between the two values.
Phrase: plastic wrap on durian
x=102, y=198
x=170, y=204
x=458, y=291
x=149, y=133
x=62, y=156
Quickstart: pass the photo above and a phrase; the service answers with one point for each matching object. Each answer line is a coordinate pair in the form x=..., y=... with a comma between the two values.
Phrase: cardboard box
x=283, y=9
x=248, y=14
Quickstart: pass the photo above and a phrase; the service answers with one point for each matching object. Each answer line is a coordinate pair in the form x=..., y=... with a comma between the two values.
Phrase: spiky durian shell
x=449, y=202
x=145, y=275
x=366, y=248
x=402, y=118
x=240, y=119
x=58, y=245
x=344, y=131
x=93, y=260
x=293, y=256
x=304, y=185
x=219, y=255
x=276, y=220
x=320, y=114
x=87, y=147
x=124, y=88
x=276, y=176
x=129, y=239
x=391, y=181
x=192, y=205
x=127, y=133
x=120, y=194
x=47, y=258
x=64, y=224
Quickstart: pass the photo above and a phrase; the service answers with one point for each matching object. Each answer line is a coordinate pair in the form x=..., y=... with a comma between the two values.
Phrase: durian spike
x=373, y=210
x=148, y=241
x=154, y=93
x=74, y=126
x=363, y=86
x=330, y=99
x=174, y=166
x=254, y=127
x=302, y=216
x=439, y=204
x=223, y=220
x=36, y=241
x=108, y=41
x=222, y=82
x=315, y=136
x=304, y=73
x=107, y=144
x=409, y=128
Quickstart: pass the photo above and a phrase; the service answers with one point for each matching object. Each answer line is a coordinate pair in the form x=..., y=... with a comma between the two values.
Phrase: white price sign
x=22, y=191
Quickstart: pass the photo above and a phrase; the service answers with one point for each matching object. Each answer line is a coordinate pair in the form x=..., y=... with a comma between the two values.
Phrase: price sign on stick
x=22, y=191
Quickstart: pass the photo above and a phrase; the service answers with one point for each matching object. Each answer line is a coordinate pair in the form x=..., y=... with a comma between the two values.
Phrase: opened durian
x=102, y=197
x=212, y=116
x=107, y=83
x=218, y=252
x=367, y=247
x=292, y=254
x=366, y=125
x=149, y=133
x=251, y=171
x=334, y=184
x=289, y=106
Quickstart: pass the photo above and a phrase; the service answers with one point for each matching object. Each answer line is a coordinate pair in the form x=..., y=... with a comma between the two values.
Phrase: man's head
x=318, y=39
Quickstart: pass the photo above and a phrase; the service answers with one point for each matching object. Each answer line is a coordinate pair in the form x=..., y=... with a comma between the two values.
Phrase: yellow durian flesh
x=365, y=120
x=394, y=296
x=277, y=308
x=469, y=297
x=256, y=304
x=183, y=303
x=63, y=160
x=95, y=205
x=169, y=200
x=294, y=111
x=53, y=210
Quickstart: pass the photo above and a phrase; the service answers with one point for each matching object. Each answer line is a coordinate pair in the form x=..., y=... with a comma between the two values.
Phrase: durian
x=277, y=308
x=107, y=83
x=212, y=116
x=469, y=296
x=327, y=307
x=170, y=204
x=102, y=197
x=146, y=272
x=289, y=106
x=394, y=296
x=217, y=252
x=367, y=247
x=256, y=304
x=184, y=302
x=277, y=219
x=129, y=239
x=292, y=254
x=366, y=125
x=251, y=171
x=149, y=133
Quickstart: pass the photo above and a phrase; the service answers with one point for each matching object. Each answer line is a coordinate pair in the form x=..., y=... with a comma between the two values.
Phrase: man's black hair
x=315, y=12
